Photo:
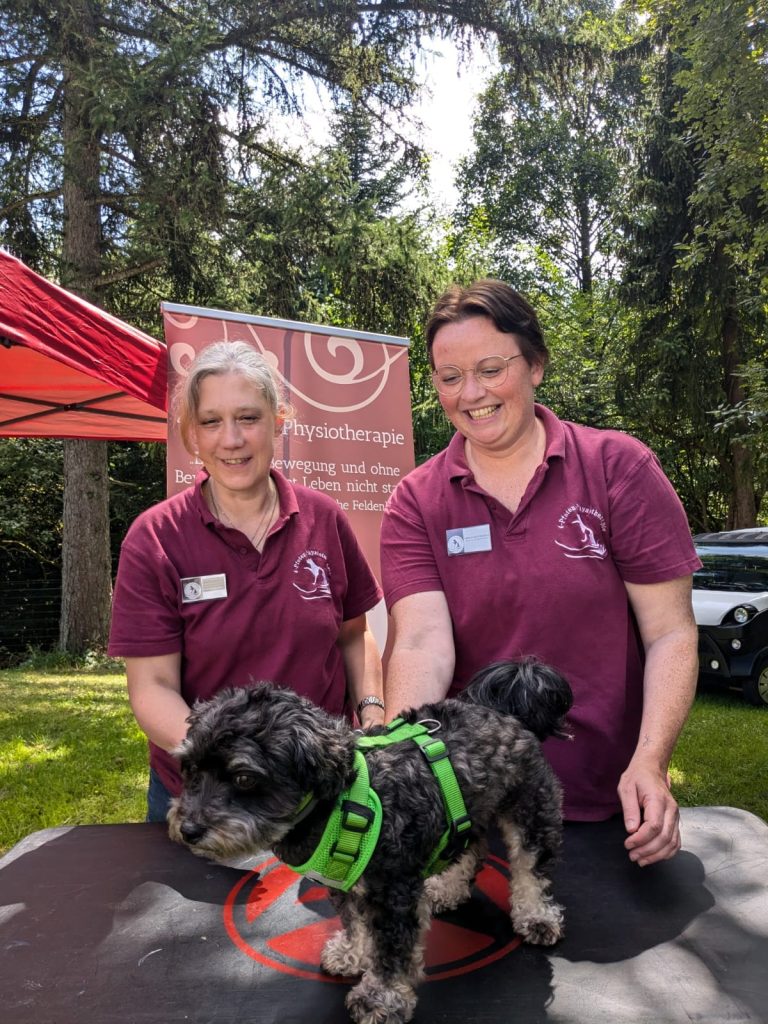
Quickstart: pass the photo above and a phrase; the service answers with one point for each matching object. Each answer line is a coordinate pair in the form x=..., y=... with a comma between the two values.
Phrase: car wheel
x=756, y=688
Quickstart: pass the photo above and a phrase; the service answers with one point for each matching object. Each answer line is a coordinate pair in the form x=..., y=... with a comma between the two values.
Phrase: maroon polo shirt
x=188, y=584
x=549, y=580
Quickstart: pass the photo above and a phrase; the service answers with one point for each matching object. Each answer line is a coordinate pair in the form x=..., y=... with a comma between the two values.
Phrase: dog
x=252, y=756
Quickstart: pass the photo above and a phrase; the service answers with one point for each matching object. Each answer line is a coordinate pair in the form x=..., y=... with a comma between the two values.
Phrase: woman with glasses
x=531, y=536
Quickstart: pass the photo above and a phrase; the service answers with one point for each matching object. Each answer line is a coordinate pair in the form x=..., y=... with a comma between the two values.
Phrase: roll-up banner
x=351, y=436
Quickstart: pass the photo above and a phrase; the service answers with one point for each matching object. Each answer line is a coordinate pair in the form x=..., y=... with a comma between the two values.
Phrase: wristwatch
x=367, y=702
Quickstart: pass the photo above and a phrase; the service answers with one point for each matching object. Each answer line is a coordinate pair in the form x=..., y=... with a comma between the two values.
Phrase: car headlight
x=743, y=613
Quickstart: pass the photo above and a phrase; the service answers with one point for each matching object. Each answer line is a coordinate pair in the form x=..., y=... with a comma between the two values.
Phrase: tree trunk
x=742, y=509
x=86, y=579
x=585, y=247
x=742, y=506
x=86, y=563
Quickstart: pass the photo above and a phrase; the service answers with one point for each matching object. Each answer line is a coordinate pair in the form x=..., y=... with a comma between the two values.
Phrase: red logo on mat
x=283, y=921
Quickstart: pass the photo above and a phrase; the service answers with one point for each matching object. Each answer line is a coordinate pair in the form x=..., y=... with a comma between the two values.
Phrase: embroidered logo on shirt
x=312, y=574
x=582, y=529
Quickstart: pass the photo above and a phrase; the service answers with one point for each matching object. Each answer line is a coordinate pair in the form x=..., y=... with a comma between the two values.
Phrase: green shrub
x=92, y=661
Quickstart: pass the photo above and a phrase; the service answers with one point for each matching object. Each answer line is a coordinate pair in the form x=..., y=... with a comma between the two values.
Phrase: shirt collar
x=285, y=493
x=555, y=433
x=200, y=503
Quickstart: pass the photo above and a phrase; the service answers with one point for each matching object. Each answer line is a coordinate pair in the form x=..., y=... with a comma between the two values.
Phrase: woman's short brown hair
x=510, y=312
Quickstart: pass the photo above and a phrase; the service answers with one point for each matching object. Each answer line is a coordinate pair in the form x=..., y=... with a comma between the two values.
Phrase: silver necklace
x=263, y=523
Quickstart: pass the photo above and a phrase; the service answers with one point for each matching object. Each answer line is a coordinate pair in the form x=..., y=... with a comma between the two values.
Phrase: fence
x=29, y=614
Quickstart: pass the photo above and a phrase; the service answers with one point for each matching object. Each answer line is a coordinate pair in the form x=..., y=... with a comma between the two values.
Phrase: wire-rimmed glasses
x=490, y=372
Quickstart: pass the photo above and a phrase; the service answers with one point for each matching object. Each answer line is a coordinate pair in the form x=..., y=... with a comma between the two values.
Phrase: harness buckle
x=317, y=876
x=457, y=840
x=461, y=824
x=350, y=807
x=434, y=751
x=341, y=856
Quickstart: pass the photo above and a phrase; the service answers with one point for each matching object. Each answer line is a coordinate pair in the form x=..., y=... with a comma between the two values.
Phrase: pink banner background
x=352, y=434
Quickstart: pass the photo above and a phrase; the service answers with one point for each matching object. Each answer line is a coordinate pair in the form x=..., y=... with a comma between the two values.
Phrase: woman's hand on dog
x=371, y=715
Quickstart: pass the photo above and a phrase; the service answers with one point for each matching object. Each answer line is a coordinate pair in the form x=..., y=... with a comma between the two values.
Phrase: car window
x=744, y=570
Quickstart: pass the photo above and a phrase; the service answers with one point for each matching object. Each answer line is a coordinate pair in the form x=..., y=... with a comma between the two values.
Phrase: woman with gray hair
x=243, y=576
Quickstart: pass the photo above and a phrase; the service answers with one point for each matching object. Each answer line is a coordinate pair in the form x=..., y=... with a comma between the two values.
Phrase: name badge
x=468, y=540
x=203, y=588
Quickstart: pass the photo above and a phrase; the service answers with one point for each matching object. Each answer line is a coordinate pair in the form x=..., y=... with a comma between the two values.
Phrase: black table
x=114, y=923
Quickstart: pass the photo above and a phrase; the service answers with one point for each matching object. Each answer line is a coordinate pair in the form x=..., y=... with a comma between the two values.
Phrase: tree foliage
x=132, y=136
x=696, y=263
x=550, y=156
x=630, y=143
x=148, y=151
x=178, y=99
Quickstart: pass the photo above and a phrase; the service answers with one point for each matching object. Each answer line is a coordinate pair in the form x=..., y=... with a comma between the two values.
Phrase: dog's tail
x=531, y=691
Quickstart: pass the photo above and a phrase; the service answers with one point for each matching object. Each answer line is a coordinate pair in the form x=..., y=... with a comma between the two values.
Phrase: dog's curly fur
x=251, y=755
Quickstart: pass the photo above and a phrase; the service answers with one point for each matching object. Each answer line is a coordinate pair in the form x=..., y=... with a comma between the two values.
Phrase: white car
x=730, y=602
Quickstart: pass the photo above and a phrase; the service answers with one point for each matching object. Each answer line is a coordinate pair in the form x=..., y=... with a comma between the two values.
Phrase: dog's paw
x=544, y=928
x=374, y=1002
x=452, y=887
x=343, y=958
x=444, y=893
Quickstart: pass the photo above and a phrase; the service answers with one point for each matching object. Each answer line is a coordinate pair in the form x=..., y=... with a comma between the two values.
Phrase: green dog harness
x=354, y=825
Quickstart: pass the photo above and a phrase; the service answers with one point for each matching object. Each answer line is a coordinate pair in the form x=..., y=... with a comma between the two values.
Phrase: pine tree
x=124, y=128
x=697, y=254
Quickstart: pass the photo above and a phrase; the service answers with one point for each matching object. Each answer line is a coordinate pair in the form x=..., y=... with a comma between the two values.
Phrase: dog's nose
x=192, y=832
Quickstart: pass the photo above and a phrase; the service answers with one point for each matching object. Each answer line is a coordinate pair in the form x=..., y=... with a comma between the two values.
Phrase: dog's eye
x=245, y=780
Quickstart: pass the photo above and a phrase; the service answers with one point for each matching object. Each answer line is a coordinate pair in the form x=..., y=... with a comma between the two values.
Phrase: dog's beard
x=228, y=833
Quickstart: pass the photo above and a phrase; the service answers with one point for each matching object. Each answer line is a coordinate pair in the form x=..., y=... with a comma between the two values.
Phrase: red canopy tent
x=68, y=369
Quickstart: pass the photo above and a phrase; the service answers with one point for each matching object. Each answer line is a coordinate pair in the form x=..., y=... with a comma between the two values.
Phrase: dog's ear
x=533, y=692
x=314, y=746
x=196, y=713
x=324, y=757
x=200, y=720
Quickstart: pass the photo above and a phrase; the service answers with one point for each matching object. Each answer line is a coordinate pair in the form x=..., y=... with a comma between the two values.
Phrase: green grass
x=72, y=754
x=722, y=755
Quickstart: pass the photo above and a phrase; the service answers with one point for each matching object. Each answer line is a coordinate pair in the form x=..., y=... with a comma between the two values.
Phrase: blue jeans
x=158, y=798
